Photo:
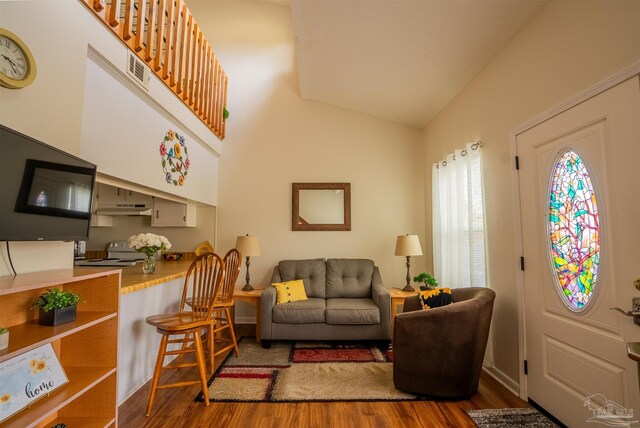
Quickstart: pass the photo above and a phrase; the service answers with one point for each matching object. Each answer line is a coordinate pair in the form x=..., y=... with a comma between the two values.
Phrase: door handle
x=635, y=313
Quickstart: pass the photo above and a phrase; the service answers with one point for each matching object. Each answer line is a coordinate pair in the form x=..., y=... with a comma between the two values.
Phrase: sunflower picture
x=27, y=378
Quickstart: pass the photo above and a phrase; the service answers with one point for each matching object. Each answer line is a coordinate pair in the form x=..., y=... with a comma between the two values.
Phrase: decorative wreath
x=175, y=159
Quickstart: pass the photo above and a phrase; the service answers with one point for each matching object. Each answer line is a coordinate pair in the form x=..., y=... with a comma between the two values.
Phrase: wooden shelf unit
x=87, y=348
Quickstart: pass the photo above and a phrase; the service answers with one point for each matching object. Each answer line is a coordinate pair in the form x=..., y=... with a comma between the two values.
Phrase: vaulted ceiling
x=402, y=60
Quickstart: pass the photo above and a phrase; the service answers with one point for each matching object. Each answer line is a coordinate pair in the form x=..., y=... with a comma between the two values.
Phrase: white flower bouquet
x=149, y=243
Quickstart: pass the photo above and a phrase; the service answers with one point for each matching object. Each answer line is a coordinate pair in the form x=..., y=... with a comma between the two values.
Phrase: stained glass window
x=574, y=230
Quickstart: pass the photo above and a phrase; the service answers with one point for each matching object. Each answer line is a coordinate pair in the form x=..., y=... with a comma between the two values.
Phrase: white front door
x=581, y=249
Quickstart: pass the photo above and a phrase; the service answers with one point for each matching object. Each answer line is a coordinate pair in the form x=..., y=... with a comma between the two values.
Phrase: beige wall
x=275, y=138
x=566, y=48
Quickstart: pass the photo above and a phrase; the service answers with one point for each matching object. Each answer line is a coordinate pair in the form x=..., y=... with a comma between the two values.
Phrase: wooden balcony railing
x=164, y=34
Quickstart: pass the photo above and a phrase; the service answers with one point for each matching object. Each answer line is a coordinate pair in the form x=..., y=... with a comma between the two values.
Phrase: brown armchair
x=439, y=352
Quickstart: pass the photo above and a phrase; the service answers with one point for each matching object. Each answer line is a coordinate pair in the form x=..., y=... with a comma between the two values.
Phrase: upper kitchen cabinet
x=112, y=201
x=108, y=195
x=172, y=214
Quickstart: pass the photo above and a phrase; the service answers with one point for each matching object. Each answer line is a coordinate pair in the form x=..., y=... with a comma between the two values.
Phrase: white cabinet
x=172, y=214
x=98, y=220
x=108, y=195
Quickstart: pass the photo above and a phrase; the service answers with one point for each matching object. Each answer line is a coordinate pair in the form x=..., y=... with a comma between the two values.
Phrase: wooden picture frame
x=321, y=207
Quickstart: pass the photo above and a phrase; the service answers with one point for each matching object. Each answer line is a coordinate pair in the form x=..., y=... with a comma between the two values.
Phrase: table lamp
x=248, y=247
x=408, y=245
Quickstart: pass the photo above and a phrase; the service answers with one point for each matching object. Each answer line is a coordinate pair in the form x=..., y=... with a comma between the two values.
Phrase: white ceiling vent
x=138, y=71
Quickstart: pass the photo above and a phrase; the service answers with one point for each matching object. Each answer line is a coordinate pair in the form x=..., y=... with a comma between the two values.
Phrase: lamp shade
x=408, y=245
x=248, y=246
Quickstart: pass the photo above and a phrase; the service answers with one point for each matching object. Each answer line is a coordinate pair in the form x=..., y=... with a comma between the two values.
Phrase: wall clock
x=17, y=66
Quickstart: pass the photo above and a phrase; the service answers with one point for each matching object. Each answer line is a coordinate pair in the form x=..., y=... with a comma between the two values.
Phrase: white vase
x=4, y=340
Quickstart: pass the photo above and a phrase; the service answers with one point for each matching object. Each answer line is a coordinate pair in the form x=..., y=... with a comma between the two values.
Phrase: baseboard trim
x=503, y=380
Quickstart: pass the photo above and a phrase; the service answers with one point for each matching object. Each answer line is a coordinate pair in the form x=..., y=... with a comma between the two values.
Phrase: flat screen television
x=45, y=193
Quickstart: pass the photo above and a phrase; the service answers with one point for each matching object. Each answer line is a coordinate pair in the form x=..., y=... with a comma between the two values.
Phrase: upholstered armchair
x=439, y=352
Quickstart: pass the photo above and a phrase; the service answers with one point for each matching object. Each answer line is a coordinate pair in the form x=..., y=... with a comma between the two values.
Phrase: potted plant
x=429, y=281
x=57, y=306
x=4, y=338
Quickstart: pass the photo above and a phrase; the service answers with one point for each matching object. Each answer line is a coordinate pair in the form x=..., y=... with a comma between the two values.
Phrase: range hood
x=124, y=209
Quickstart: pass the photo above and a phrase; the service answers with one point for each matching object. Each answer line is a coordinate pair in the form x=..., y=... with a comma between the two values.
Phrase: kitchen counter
x=133, y=279
x=143, y=295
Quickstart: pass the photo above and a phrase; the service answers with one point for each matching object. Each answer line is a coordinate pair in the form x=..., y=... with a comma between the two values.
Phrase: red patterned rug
x=306, y=371
x=338, y=355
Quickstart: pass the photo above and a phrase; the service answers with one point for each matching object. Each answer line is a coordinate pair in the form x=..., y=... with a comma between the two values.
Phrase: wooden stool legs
x=210, y=342
x=156, y=372
x=200, y=363
x=223, y=323
x=232, y=330
x=202, y=368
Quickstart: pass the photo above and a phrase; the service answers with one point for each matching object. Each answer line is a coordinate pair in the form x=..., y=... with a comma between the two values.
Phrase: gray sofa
x=346, y=301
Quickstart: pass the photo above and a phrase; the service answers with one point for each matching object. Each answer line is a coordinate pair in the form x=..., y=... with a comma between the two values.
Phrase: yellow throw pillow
x=290, y=291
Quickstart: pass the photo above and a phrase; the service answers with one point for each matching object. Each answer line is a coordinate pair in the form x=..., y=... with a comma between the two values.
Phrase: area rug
x=508, y=418
x=306, y=371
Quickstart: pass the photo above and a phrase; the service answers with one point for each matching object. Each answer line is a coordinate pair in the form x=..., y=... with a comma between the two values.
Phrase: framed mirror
x=321, y=206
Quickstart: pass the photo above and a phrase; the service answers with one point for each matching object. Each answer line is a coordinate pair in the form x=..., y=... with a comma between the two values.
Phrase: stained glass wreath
x=175, y=158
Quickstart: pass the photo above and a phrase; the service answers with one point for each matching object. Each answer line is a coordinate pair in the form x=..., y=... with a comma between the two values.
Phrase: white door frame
x=590, y=92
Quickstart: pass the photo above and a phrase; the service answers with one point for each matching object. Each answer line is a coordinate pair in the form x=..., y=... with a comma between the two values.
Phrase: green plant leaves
x=56, y=299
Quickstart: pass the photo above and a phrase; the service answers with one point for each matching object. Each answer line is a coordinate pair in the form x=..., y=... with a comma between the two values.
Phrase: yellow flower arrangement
x=176, y=150
x=171, y=135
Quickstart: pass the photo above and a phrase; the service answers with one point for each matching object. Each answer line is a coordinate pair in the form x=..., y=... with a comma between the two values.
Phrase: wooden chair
x=205, y=277
x=224, y=302
x=222, y=319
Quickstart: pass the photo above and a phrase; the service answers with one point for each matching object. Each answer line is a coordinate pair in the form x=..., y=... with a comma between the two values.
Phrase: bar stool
x=224, y=302
x=222, y=308
x=205, y=277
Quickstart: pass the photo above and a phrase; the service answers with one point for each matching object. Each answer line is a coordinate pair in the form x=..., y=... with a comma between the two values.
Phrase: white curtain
x=458, y=219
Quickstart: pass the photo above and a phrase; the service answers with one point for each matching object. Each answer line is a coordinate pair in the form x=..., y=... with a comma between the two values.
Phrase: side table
x=397, y=298
x=252, y=297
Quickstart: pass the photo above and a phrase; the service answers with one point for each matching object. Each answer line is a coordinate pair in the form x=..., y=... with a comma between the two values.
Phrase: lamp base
x=408, y=288
x=247, y=287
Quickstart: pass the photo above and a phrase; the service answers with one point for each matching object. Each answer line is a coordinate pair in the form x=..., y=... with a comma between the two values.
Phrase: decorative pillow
x=290, y=291
x=435, y=298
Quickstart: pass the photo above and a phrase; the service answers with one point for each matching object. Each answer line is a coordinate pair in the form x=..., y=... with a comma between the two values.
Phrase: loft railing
x=164, y=34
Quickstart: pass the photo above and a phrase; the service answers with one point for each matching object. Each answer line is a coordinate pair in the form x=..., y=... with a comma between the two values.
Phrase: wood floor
x=176, y=408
